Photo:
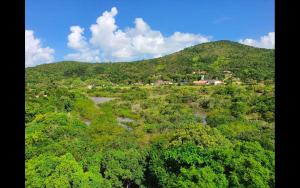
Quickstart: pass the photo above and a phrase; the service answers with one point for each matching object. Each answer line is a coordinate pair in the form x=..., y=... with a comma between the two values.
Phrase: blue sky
x=50, y=21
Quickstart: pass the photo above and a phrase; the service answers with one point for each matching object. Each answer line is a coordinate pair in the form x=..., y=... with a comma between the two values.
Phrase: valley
x=125, y=125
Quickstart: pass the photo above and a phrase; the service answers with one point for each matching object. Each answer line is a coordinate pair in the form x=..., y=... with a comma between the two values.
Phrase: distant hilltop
x=215, y=60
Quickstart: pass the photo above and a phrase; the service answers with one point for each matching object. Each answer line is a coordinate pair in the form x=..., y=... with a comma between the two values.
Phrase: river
x=122, y=120
x=99, y=100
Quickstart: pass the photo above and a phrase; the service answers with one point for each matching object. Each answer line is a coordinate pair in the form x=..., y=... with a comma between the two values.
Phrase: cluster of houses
x=162, y=82
x=199, y=82
x=202, y=81
x=199, y=72
x=208, y=82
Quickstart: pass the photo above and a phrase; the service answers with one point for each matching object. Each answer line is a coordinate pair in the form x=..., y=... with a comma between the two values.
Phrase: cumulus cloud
x=87, y=55
x=77, y=42
x=75, y=39
x=267, y=41
x=109, y=43
x=35, y=54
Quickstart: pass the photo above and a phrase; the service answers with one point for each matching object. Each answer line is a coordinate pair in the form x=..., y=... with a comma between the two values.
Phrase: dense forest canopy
x=92, y=125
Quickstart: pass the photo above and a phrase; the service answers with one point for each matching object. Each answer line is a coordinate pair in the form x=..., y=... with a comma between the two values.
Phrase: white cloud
x=267, y=41
x=35, y=54
x=109, y=43
x=75, y=39
x=77, y=42
x=84, y=55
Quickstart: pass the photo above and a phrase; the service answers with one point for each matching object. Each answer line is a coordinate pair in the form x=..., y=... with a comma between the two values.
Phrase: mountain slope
x=245, y=62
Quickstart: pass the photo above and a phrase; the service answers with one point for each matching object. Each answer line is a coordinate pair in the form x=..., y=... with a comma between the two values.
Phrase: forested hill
x=245, y=62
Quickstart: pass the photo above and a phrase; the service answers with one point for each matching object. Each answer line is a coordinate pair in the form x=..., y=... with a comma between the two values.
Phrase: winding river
x=121, y=120
x=99, y=100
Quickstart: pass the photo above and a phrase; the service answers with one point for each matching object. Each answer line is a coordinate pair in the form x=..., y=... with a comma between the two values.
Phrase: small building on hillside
x=215, y=82
x=162, y=82
x=199, y=72
x=208, y=82
x=218, y=82
x=200, y=82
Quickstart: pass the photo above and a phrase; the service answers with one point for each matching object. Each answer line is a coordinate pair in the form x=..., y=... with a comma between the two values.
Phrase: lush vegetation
x=247, y=63
x=178, y=136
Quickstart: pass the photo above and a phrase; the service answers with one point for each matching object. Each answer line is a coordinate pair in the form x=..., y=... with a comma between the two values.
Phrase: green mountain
x=245, y=62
